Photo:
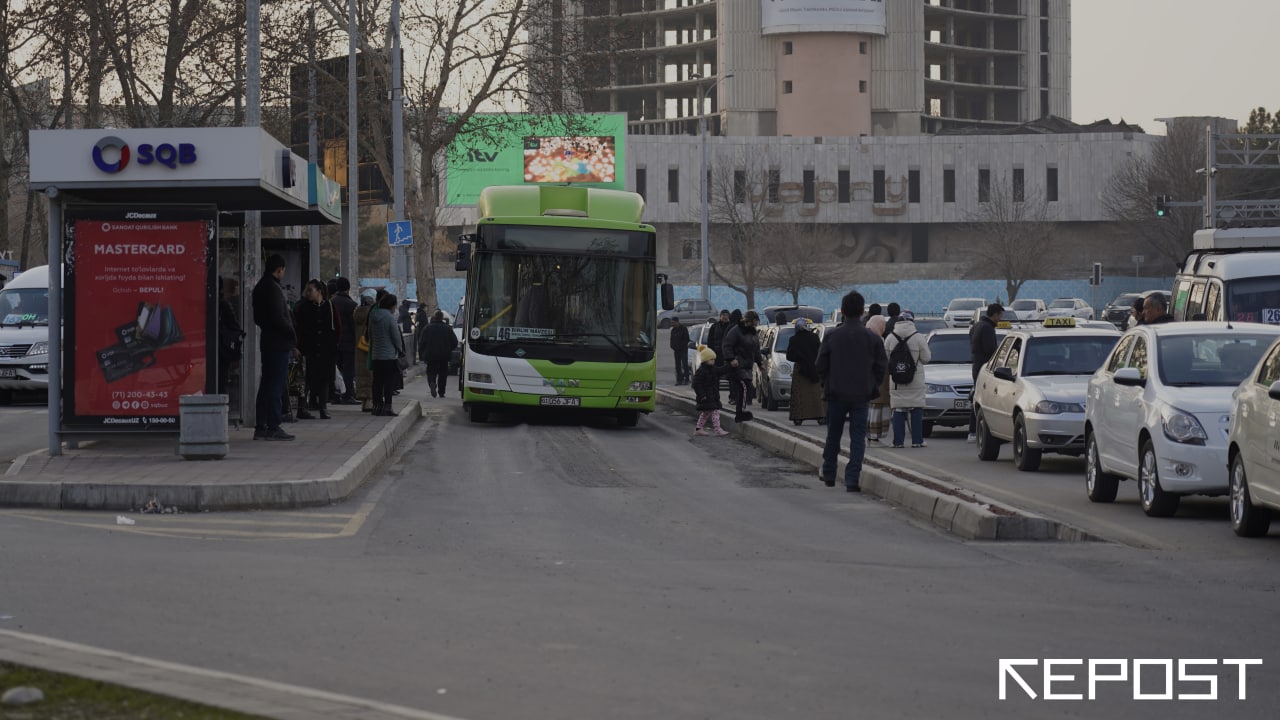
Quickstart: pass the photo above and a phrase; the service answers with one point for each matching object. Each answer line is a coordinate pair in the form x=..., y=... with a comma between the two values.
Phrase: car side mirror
x=1003, y=373
x=1274, y=392
x=1130, y=377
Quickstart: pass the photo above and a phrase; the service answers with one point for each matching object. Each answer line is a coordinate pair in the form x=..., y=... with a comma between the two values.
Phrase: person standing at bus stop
x=851, y=362
x=271, y=314
x=680, y=348
x=386, y=347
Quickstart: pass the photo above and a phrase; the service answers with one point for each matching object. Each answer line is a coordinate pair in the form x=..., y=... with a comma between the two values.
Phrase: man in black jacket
x=982, y=345
x=346, y=308
x=434, y=348
x=851, y=363
x=1155, y=310
x=680, y=348
x=715, y=336
x=278, y=341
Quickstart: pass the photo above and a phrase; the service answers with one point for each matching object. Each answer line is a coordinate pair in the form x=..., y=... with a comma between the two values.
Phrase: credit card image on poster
x=144, y=315
x=153, y=327
x=127, y=335
x=118, y=361
x=170, y=333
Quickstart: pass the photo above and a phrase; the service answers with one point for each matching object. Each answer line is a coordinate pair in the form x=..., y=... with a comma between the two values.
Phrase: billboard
x=796, y=16
x=515, y=149
x=140, y=303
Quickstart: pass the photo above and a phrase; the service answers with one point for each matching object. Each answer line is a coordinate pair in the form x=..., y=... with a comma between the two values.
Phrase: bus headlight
x=480, y=378
x=639, y=385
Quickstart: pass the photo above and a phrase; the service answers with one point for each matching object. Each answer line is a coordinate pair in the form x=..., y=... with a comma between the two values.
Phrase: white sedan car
x=1027, y=310
x=959, y=312
x=949, y=380
x=1032, y=392
x=1160, y=409
x=1253, y=448
x=1070, y=307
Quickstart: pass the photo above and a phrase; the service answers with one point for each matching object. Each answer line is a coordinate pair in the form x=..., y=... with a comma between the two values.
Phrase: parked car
x=773, y=383
x=1119, y=312
x=1032, y=392
x=1070, y=307
x=769, y=315
x=1026, y=310
x=949, y=379
x=1159, y=410
x=689, y=310
x=1253, y=452
x=959, y=312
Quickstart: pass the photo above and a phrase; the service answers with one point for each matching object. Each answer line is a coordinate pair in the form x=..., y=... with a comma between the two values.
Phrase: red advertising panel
x=139, y=304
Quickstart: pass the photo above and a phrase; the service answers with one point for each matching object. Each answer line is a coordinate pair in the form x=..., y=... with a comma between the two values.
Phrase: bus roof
x=560, y=201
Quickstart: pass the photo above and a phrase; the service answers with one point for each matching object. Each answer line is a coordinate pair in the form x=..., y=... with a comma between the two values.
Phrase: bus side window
x=1213, y=302
x=1181, y=292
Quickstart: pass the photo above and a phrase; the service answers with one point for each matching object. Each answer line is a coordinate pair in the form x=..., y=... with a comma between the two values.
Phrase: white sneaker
x=971, y=439
x=701, y=433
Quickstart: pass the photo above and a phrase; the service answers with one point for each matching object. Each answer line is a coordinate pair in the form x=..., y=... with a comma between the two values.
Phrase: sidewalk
x=328, y=461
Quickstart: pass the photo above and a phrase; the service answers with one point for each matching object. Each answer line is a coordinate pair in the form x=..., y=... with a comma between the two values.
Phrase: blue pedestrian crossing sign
x=400, y=233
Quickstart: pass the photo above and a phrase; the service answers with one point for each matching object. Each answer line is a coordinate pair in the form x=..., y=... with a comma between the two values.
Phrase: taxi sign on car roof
x=1059, y=322
x=1004, y=325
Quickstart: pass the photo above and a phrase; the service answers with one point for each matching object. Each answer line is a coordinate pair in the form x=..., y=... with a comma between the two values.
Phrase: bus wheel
x=479, y=414
x=628, y=418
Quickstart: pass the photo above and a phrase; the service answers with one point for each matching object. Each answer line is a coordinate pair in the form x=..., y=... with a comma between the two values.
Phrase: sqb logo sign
x=164, y=153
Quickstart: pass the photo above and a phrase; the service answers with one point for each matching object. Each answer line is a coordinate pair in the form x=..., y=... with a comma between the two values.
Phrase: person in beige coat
x=878, y=412
x=908, y=400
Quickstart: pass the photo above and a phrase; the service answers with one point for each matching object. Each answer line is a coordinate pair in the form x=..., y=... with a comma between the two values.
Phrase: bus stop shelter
x=134, y=224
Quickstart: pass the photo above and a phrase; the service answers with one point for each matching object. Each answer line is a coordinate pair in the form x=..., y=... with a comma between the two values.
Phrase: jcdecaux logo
x=166, y=154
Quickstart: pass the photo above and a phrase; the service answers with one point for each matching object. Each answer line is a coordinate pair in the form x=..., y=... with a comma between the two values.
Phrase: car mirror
x=1130, y=377
x=1003, y=373
x=1274, y=392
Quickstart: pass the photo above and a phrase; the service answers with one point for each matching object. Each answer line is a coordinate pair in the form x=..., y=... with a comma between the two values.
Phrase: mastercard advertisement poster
x=140, y=309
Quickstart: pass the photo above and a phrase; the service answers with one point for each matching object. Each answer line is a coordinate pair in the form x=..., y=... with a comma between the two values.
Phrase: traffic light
x=1095, y=279
x=1162, y=205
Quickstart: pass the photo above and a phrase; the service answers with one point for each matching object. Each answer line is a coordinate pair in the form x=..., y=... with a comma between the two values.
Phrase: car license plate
x=8, y=372
x=559, y=401
x=963, y=405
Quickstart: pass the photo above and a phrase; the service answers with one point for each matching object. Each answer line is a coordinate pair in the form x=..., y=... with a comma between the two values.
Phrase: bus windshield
x=560, y=299
x=1255, y=300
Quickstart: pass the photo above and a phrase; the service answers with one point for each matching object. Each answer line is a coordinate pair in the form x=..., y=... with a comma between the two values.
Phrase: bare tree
x=1013, y=230
x=799, y=256
x=739, y=206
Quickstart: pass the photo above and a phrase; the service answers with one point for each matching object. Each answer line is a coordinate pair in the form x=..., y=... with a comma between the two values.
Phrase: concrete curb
x=266, y=495
x=959, y=512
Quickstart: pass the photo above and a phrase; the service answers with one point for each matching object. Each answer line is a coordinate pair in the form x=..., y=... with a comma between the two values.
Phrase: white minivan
x=1232, y=275
x=24, y=334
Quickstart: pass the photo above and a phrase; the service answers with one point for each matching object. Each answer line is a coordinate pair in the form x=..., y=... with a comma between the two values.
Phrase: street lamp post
x=702, y=178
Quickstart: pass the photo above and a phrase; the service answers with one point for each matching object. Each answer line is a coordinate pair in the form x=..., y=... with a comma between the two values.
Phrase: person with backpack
x=908, y=354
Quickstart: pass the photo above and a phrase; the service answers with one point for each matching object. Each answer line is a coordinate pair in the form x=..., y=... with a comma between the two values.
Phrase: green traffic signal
x=1162, y=205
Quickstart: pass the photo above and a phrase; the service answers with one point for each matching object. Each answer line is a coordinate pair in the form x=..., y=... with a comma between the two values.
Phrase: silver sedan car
x=1032, y=392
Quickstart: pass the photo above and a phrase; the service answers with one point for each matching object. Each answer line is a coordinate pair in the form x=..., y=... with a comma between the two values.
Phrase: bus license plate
x=963, y=404
x=558, y=401
x=8, y=373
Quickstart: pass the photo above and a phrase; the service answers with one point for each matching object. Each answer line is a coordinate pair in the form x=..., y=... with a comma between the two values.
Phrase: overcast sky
x=1143, y=59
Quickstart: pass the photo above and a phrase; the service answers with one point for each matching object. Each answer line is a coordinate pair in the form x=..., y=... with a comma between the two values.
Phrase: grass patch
x=67, y=697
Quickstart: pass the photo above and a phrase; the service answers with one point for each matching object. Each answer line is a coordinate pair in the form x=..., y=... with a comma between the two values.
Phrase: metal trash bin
x=202, y=426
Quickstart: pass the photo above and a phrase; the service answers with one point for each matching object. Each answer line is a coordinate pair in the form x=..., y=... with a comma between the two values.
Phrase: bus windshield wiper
x=612, y=342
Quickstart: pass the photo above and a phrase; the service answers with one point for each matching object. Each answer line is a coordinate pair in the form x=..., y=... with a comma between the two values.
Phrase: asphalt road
x=24, y=426
x=569, y=570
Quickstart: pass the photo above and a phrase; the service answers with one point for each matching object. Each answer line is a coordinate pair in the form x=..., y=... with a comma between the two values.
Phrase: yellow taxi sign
x=1059, y=322
x=1004, y=325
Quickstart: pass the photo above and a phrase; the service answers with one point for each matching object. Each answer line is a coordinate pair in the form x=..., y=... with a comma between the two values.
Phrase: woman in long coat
x=806, y=389
x=878, y=412
x=908, y=400
x=364, y=376
x=318, y=330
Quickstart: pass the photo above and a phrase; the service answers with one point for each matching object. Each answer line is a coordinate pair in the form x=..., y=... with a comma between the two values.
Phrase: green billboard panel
x=513, y=149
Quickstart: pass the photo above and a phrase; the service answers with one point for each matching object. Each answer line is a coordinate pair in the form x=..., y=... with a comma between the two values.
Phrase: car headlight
x=931, y=389
x=40, y=348
x=1182, y=427
x=641, y=385
x=784, y=369
x=1049, y=407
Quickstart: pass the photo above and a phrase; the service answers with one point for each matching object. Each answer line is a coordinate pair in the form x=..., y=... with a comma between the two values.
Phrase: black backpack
x=902, y=367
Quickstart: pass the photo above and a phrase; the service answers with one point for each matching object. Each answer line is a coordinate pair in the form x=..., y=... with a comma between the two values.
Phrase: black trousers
x=386, y=373
x=437, y=374
x=682, y=365
x=347, y=365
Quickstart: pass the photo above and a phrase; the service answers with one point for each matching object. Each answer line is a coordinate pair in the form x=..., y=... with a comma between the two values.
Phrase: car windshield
x=1069, y=354
x=1024, y=304
x=950, y=349
x=1217, y=359
x=1255, y=300
x=1068, y=304
x=1125, y=300
x=24, y=306
x=964, y=305
x=783, y=340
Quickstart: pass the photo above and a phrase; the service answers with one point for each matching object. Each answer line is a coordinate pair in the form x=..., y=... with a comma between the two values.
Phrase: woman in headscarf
x=364, y=375
x=878, y=413
x=806, y=390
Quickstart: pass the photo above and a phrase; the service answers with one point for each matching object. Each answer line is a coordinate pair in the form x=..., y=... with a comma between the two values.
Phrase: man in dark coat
x=406, y=317
x=741, y=350
x=434, y=348
x=982, y=345
x=851, y=362
x=680, y=347
x=895, y=314
x=278, y=341
x=715, y=336
x=346, y=308
x=1155, y=310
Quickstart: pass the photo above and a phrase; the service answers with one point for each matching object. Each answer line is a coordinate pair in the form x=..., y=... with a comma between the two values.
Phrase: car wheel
x=798, y=422
x=479, y=414
x=1100, y=486
x=628, y=418
x=664, y=324
x=926, y=430
x=1024, y=458
x=1247, y=519
x=1155, y=501
x=988, y=446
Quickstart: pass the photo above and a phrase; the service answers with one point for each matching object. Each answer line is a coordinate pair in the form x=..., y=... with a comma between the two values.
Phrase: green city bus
x=560, y=306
